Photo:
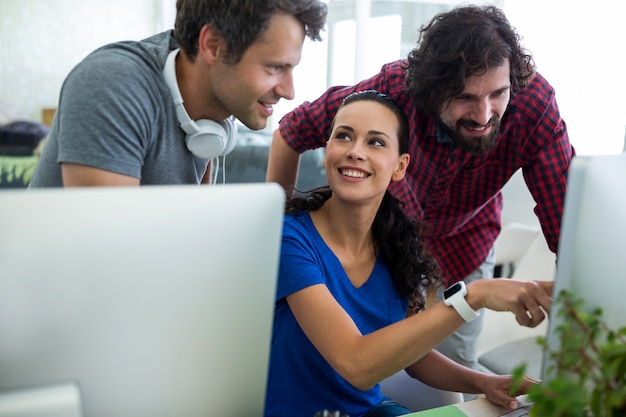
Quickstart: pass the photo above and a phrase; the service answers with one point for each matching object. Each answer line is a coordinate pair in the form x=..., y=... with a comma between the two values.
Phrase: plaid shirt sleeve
x=546, y=159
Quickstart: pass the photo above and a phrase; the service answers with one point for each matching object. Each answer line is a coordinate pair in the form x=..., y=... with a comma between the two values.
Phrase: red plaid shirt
x=458, y=194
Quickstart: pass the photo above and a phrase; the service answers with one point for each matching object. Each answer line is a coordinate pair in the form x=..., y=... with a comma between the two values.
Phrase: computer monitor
x=152, y=301
x=591, y=258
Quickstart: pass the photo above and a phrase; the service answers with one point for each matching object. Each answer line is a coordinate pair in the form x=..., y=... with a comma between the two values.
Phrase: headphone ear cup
x=212, y=138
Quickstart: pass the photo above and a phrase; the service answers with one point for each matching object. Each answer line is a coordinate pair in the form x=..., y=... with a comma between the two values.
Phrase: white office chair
x=503, y=343
x=512, y=243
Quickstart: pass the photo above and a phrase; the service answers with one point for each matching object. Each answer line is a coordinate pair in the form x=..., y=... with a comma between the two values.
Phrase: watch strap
x=462, y=307
x=459, y=303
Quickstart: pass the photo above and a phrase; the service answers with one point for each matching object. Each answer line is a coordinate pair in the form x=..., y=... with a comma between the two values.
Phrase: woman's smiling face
x=363, y=152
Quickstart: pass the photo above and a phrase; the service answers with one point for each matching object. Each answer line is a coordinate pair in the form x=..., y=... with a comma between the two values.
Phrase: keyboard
x=519, y=412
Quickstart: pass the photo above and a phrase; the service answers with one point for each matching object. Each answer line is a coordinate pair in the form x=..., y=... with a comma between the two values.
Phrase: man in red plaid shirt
x=478, y=112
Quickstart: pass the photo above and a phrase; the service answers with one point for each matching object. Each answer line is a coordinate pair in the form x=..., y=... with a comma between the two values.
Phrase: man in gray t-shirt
x=156, y=111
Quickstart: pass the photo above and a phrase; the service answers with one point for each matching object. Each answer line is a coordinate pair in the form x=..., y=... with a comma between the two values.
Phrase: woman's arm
x=440, y=372
x=366, y=360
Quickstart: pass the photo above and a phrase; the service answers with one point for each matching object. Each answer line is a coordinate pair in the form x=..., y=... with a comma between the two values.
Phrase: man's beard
x=475, y=145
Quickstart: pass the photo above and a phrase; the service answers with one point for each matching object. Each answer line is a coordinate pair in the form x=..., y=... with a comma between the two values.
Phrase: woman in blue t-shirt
x=352, y=278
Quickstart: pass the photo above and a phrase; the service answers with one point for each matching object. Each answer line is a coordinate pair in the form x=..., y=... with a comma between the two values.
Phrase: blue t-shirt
x=300, y=381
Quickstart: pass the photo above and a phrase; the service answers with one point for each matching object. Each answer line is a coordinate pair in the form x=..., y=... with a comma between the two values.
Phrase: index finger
x=547, y=286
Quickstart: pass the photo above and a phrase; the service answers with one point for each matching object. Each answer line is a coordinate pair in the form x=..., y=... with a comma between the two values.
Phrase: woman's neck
x=347, y=230
x=348, y=226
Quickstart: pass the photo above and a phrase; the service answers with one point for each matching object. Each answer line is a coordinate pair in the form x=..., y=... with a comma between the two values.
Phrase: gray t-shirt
x=116, y=113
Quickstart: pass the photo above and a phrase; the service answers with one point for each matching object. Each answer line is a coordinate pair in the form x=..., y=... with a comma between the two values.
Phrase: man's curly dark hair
x=468, y=40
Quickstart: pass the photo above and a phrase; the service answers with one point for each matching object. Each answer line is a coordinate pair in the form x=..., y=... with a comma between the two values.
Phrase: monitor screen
x=152, y=301
x=592, y=247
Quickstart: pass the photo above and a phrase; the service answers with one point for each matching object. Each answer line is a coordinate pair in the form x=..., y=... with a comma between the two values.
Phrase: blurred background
x=579, y=47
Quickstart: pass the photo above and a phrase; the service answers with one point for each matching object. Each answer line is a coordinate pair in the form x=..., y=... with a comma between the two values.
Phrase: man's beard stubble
x=475, y=145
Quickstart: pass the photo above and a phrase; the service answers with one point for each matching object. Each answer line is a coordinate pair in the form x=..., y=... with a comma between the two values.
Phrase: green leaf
x=590, y=366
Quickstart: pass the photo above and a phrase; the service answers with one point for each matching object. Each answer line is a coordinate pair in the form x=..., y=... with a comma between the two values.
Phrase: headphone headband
x=169, y=71
x=205, y=138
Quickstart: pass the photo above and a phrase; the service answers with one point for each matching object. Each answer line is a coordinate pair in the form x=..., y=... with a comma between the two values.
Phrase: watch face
x=450, y=291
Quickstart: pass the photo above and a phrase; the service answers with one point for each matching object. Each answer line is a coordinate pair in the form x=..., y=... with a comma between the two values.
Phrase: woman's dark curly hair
x=468, y=40
x=396, y=236
x=241, y=22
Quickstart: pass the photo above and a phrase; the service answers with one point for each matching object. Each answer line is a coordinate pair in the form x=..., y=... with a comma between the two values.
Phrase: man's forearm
x=283, y=164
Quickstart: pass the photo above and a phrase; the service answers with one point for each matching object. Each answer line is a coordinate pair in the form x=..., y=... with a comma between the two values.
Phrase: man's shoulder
x=121, y=69
x=147, y=53
x=534, y=99
x=538, y=89
x=396, y=69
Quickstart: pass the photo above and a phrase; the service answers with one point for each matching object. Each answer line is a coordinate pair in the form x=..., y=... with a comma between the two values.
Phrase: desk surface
x=480, y=407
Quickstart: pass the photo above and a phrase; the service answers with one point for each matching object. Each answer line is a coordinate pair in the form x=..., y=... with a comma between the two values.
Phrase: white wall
x=581, y=49
x=42, y=40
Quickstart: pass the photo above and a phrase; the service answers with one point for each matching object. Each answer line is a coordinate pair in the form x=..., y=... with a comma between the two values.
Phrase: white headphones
x=205, y=138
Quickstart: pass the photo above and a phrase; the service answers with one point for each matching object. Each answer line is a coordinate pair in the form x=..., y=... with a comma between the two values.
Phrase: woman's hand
x=528, y=300
x=497, y=389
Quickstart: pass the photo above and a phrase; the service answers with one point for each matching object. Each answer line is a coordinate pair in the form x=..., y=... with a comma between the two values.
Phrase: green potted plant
x=589, y=367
